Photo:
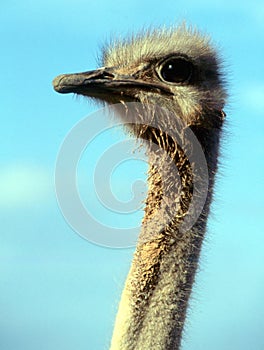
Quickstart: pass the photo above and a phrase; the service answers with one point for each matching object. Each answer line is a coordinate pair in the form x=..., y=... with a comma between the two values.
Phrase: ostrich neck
x=155, y=298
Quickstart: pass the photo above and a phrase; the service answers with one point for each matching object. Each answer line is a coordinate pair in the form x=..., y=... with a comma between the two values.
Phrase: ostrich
x=178, y=70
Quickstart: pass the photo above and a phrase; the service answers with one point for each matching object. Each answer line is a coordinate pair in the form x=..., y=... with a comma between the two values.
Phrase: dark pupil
x=176, y=70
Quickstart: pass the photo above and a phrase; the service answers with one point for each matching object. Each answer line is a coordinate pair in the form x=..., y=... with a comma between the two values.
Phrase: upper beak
x=104, y=81
x=83, y=82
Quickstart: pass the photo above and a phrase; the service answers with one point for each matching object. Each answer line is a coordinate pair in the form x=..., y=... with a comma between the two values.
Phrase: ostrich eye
x=176, y=70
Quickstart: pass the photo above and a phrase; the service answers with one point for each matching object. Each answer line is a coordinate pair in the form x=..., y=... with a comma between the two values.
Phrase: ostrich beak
x=101, y=82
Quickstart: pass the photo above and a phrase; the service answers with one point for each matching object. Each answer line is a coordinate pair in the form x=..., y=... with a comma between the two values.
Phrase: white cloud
x=23, y=184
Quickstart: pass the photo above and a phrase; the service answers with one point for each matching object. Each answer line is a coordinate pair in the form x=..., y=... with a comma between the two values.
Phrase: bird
x=176, y=75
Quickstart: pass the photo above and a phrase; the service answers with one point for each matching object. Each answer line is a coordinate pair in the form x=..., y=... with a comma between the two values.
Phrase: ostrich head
x=176, y=69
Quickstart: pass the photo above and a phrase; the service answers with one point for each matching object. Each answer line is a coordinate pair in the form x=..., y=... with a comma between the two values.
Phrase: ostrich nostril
x=108, y=74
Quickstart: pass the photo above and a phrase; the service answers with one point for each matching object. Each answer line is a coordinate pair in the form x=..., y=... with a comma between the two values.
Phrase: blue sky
x=58, y=291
